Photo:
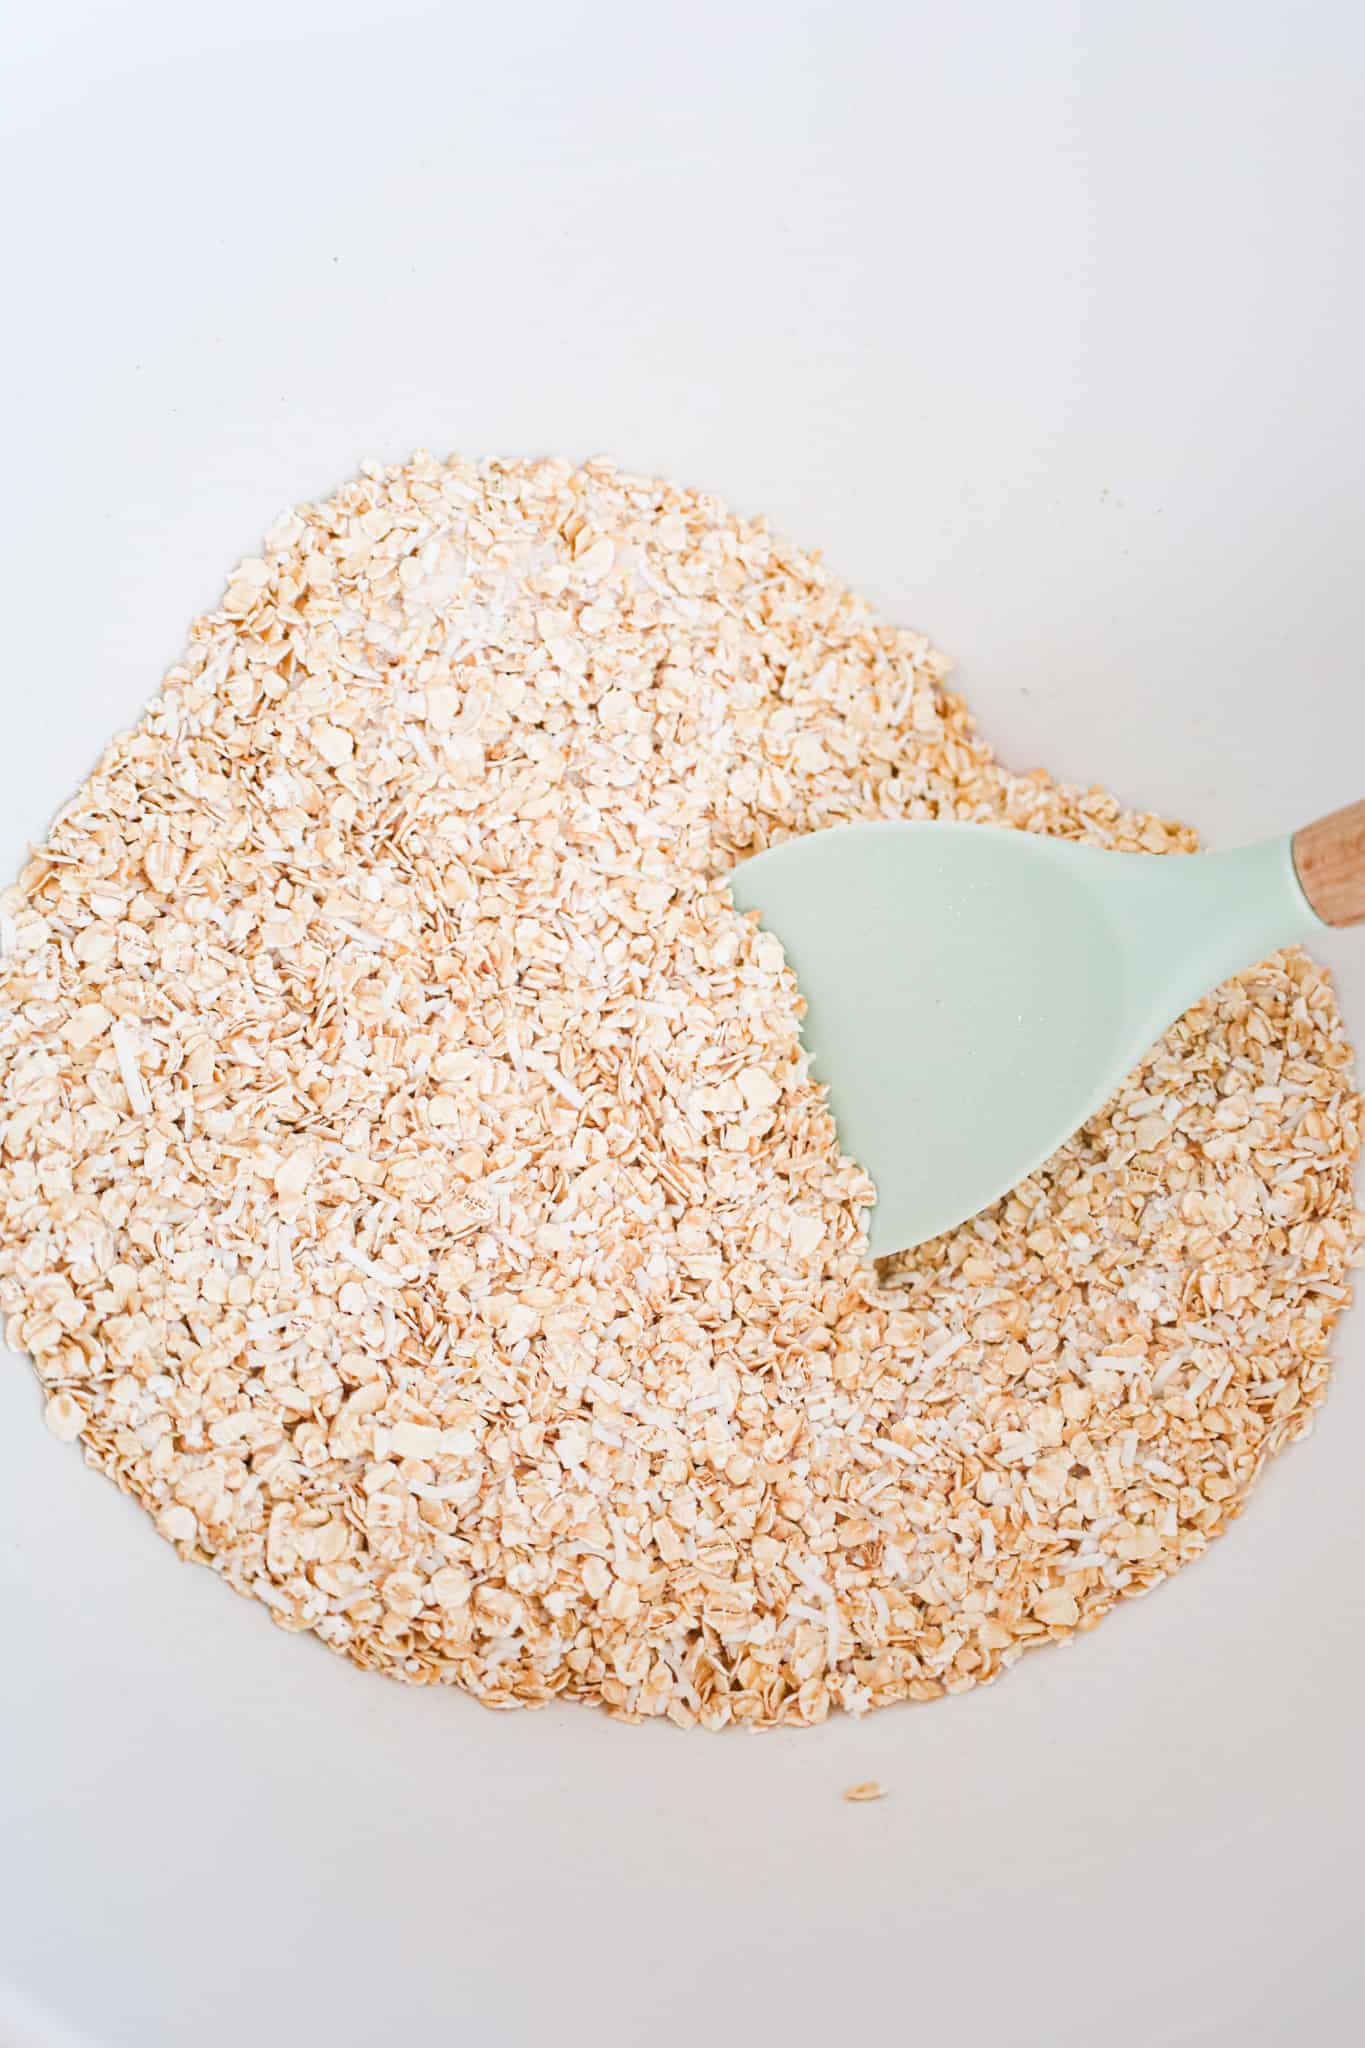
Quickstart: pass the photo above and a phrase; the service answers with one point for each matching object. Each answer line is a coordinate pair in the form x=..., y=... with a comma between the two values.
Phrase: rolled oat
x=413, y=1193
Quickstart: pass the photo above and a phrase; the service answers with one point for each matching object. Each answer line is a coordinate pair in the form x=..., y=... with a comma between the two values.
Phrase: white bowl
x=1046, y=323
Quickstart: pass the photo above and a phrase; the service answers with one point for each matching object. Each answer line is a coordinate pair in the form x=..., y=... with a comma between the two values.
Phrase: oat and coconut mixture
x=412, y=1191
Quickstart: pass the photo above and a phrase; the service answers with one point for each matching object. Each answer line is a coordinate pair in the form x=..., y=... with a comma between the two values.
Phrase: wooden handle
x=1330, y=860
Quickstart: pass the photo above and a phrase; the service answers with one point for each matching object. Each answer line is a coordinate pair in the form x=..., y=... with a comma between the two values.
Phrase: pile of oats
x=413, y=1193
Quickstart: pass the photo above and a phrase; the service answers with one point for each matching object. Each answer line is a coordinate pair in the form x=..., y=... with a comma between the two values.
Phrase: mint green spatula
x=974, y=993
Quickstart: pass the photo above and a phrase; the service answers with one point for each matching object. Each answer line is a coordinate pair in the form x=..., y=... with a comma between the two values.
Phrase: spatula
x=975, y=993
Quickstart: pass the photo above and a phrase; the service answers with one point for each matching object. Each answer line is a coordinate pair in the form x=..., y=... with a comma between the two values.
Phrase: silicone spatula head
x=974, y=994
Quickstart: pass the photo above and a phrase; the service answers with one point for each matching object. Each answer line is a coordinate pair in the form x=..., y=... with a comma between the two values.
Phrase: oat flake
x=412, y=1191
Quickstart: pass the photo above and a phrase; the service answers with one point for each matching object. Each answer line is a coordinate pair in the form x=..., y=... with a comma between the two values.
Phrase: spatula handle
x=1329, y=858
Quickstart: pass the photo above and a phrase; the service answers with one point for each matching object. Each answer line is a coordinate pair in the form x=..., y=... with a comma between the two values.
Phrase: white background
x=1045, y=321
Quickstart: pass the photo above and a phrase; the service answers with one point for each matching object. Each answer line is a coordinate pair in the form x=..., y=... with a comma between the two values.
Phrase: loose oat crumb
x=413, y=1190
x=868, y=1789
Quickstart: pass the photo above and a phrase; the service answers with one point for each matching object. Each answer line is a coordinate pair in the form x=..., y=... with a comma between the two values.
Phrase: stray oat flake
x=414, y=1194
